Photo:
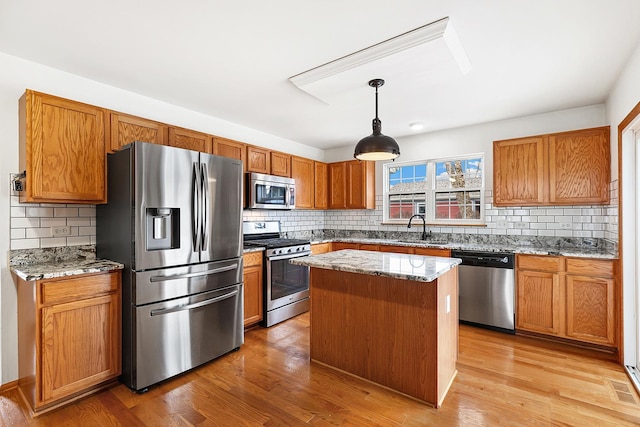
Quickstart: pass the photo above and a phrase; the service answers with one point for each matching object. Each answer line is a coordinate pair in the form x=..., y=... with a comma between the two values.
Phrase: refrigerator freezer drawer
x=177, y=335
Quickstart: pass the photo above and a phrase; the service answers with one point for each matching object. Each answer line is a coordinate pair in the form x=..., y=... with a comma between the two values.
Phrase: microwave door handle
x=195, y=208
x=205, y=205
x=162, y=311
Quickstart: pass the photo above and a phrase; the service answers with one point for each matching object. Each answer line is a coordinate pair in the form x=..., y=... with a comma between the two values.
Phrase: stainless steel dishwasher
x=487, y=289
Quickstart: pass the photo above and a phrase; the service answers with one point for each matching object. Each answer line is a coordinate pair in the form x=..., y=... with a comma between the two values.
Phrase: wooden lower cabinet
x=320, y=248
x=253, y=310
x=445, y=253
x=69, y=337
x=572, y=298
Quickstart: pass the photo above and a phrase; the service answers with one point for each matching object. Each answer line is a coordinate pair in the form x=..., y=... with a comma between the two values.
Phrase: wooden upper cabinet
x=62, y=150
x=125, y=129
x=302, y=172
x=579, y=167
x=361, y=184
x=229, y=148
x=281, y=164
x=519, y=171
x=258, y=159
x=190, y=140
x=568, y=168
x=321, y=190
x=338, y=185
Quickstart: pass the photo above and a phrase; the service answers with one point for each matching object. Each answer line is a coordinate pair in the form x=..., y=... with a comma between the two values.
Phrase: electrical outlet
x=565, y=225
x=61, y=230
x=502, y=223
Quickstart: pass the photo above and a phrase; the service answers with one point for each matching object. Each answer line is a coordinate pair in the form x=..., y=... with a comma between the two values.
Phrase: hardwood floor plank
x=503, y=380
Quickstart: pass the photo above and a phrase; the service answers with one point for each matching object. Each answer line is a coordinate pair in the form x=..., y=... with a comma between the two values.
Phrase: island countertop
x=417, y=268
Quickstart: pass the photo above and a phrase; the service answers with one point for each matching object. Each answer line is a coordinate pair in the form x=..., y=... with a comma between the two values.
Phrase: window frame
x=431, y=191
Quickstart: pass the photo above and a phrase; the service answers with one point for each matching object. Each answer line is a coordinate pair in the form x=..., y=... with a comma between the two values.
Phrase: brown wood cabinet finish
x=352, y=185
x=302, y=170
x=445, y=253
x=321, y=174
x=125, y=129
x=190, y=140
x=280, y=164
x=69, y=336
x=258, y=159
x=568, y=168
x=229, y=148
x=572, y=298
x=337, y=185
x=320, y=248
x=62, y=150
x=253, y=310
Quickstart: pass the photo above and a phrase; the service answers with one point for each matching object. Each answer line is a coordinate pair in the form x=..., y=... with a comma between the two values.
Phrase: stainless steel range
x=286, y=286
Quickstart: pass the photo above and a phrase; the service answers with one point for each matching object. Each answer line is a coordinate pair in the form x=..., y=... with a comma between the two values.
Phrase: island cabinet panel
x=302, y=171
x=190, y=140
x=258, y=159
x=321, y=193
x=394, y=332
x=579, y=167
x=62, y=150
x=519, y=172
x=125, y=129
x=280, y=164
x=253, y=310
x=567, y=168
x=68, y=337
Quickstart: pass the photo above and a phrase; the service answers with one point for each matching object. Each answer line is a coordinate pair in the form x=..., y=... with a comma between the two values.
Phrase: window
x=446, y=191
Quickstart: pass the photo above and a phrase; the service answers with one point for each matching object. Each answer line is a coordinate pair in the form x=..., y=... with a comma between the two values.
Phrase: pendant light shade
x=377, y=146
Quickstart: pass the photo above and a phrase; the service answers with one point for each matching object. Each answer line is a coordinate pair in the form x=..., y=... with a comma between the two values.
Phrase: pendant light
x=377, y=146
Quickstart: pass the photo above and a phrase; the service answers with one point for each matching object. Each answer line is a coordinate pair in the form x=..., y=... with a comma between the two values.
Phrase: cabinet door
x=252, y=288
x=338, y=185
x=228, y=148
x=280, y=164
x=80, y=345
x=579, y=167
x=368, y=247
x=258, y=160
x=539, y=302
x=519, y=172
x=62, y=149
x=125, y=129
x=320, y=248
x=396, y=249
x=336, y=246
x=302, y=172
x=590, y=309
x=190, y=140
x=445, y=253
x=321, y=176
x=361, y=185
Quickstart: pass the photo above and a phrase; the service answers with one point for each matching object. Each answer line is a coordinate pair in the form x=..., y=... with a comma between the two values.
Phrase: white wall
x=18, y=75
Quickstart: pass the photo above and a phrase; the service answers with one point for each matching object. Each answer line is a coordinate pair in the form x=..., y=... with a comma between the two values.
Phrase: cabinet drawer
x=540, y=263
x=590, y=267
x=252, y=258
x=78, y=288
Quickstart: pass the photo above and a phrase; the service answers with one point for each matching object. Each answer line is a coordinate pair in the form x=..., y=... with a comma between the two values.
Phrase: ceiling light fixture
x=416, y=126
x=377, y=146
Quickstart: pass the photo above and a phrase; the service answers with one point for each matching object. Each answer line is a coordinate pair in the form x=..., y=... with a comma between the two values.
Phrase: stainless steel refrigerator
x=174, y=219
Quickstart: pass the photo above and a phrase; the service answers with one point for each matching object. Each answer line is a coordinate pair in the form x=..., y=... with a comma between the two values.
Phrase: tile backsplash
x=31, y=224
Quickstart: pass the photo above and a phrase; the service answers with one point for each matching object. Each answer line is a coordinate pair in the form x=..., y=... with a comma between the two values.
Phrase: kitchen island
x=389, y=318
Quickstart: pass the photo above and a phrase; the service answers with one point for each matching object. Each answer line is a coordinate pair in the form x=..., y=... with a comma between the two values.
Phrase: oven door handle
x=189, y=275
x=161, y=311
x=288, y=256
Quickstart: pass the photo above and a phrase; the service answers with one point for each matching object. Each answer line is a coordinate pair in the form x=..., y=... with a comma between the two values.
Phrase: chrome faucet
x=424, y=225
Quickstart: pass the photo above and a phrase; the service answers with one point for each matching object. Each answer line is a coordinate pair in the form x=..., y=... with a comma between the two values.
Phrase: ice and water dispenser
x=163, y=228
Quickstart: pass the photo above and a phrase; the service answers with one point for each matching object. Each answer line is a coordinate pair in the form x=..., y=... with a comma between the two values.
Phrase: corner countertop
x=416, y=268
x=50, y=270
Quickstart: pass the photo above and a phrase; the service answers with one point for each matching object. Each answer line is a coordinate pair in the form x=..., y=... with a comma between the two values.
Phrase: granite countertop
x=531, y=250
x=416, y=268
x=249, y=249
x=50, y=270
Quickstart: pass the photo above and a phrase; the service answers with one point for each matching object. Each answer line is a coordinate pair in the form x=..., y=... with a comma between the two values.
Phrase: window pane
x=408, y=178
x=458, y=205
x=403, y=206
x=459, y=174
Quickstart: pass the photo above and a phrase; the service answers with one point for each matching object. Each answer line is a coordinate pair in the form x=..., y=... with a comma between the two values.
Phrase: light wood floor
x=502, y=380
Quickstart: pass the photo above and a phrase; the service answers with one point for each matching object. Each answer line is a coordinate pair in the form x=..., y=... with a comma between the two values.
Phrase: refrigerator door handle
x=195, y=215
x=205, y=205
x=162, y=311
x=189, y=275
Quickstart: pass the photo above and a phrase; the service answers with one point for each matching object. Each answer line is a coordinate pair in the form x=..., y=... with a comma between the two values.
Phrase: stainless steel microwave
x=270, y=192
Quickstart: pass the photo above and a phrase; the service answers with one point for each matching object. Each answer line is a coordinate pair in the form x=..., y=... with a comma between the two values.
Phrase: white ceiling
x=233, y=59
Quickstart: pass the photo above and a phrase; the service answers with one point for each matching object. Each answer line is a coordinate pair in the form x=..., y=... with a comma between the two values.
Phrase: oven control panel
x=290, y=250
